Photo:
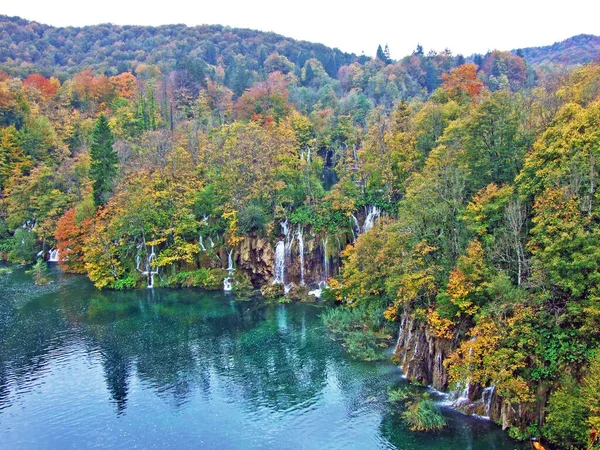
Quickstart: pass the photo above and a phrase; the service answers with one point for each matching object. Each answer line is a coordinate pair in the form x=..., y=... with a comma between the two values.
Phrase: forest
x=460, y=193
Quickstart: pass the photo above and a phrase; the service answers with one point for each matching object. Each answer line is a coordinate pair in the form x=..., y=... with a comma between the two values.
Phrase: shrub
x=424, y=415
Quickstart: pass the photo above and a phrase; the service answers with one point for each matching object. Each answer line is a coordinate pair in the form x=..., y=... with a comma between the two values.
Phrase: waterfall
x=284, y=228
x=148, y=272
x=317, y=292
x=230, y=261
x=301, y=252
x=373, y=213
x=212, y=244
x=201, y=243
x=279, y=263
x=325, y=259
x=487, y=396
x=227, y=282
x=355, y=227
x=53, y=255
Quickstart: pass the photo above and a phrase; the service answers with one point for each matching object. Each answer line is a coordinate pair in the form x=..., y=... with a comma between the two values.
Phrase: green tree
x=104, y=160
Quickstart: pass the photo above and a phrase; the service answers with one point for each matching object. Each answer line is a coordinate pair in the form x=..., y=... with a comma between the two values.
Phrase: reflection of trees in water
x=30, y=331
x=117, y=370
x=179, y=343
x=263, y=354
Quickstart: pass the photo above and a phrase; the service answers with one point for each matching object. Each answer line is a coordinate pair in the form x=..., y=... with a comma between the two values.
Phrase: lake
x=80, y=368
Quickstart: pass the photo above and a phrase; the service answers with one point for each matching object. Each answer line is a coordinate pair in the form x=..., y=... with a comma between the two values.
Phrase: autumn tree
x=462, y=83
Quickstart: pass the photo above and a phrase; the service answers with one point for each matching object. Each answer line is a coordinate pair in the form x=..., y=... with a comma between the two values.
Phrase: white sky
x=463, y=26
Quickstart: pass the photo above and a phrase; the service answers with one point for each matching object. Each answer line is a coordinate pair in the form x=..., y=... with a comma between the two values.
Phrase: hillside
x=28, y=47
x=578, y=49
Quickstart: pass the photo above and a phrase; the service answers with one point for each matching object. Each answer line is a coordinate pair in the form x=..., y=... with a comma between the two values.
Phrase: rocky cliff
x=421, y=356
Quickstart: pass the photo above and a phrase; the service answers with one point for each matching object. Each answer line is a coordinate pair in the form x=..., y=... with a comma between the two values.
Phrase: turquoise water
x=157, y=368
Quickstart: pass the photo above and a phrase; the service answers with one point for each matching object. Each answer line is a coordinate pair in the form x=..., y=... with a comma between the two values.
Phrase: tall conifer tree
x=104, y=160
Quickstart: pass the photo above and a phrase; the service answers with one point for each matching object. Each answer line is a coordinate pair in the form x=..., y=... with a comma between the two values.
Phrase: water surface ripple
x=181, y=369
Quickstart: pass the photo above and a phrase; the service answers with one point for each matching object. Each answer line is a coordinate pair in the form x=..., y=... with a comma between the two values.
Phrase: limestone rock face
x=421, y=356
x=307, y=263
x=256, y=256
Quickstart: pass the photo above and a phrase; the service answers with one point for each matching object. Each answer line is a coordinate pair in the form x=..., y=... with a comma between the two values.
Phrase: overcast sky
x=463, y=26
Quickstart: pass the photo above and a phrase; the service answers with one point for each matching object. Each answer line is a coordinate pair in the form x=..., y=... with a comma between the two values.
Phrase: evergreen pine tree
x=104, y=160
x=380, y=55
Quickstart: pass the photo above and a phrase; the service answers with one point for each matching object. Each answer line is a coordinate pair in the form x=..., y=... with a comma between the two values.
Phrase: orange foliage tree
x=462, y=81
x=70, y=235
x=47, y=87
x=124, y=84
x=268, y=98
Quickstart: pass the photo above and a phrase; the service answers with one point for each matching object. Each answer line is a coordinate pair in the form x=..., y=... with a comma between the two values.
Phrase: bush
x=565, y=419
x=210, y=279
x=252, y=218
x=39, y=271
x=424, y=415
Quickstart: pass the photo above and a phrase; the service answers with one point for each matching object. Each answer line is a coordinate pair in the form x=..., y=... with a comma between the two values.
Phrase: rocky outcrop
x=421, y=356
x=256, y=257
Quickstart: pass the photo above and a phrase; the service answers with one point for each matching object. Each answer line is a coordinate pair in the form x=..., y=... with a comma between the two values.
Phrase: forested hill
x=578, y=49
x=30, y=47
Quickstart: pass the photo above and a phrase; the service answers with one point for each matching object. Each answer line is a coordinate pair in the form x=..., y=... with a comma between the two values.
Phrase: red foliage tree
x=46, y=87
x=70, y=237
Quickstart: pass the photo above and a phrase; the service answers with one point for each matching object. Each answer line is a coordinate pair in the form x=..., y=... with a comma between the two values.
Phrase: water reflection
x=154, y=367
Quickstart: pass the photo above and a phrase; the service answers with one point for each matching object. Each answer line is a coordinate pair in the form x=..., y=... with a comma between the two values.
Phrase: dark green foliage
x=565, y=420
x=39, y=271
x=104, y=160
x=252, y=218
x=211, y=279
x=363, y=333
x=24, y=246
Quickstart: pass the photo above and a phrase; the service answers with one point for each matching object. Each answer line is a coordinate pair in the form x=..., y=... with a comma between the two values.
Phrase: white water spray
x=228, y=282
x=301, y=253
x=373, y=213
x=147, y=272
x=53, y=255
x=279, y=263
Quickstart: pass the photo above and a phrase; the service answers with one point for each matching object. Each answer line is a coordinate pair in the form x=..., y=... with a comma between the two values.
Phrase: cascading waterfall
x=325, y=259
x=212, y=244
x=301, y=253
x=317, y=292
x=53, y=255
x=284, y=228
x=148, y=272
x=227, y=282
x=201, y=243
x=322, y=284
x=279, y=263
x=487, y=396
x=373, y=213
x=283, y=253
x=356, y=227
